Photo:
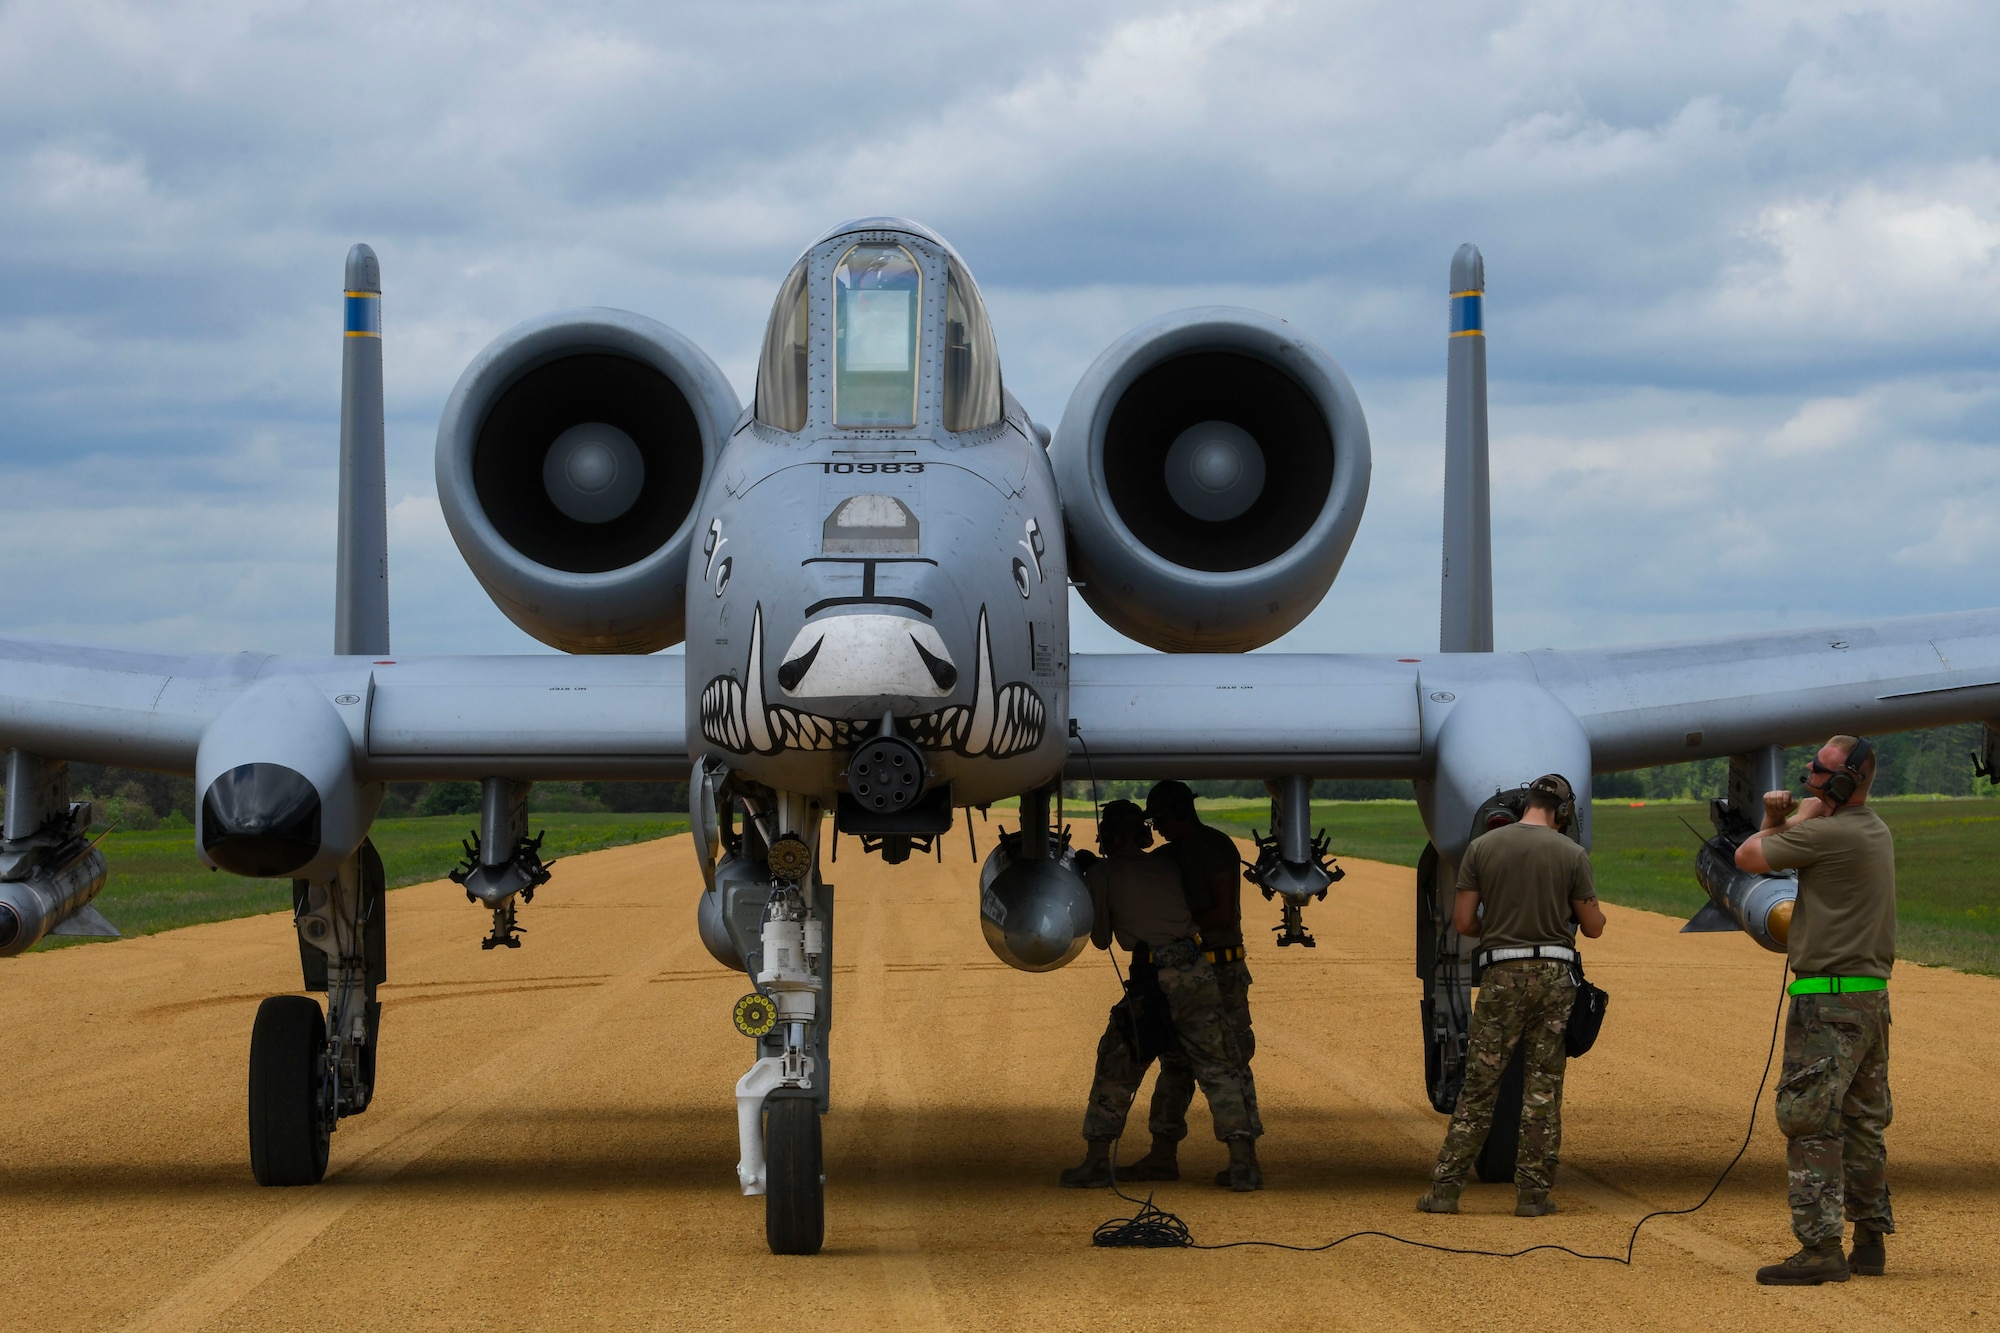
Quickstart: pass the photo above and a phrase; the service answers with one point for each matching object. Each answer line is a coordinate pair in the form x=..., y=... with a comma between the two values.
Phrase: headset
x=1557, y=786
x=1843, y=782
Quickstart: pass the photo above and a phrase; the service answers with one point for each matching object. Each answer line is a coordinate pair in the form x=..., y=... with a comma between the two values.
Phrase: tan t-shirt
x=1526, y=876
x=1845, y=922
x=1144, y=897
x=1196, y=860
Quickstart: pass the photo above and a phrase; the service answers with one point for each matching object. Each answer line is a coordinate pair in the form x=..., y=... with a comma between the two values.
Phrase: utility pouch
x=1586, y=1015
x=1144, y=1019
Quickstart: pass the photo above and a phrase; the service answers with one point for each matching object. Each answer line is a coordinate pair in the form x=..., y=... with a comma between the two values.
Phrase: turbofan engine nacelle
x=275, y=771
x=569, y=460
x=1213, y=465
x=1035, y=914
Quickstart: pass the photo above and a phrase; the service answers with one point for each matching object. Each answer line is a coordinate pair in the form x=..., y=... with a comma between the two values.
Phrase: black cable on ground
x=1153, y=1227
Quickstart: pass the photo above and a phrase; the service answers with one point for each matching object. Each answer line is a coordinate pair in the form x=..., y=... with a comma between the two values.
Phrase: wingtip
x=1468, y=269
x=364, y=272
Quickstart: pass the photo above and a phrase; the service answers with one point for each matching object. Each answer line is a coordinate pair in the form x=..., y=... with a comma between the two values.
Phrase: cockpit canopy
x=868, y=331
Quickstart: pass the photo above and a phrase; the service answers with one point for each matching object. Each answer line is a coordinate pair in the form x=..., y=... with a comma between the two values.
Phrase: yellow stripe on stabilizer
x=373, y=296
x=1462, y=333
x=1476, y=291
x=363, y=333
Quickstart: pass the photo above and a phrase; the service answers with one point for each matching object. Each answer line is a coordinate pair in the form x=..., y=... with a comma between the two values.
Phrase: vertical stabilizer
x=1465, y=623
x=361, y=582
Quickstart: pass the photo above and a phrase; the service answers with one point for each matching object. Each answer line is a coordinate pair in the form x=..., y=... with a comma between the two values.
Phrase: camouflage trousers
x=1522, y=1002
x=1173, y=1091
x=1207, y=1044
x=1833, y=1104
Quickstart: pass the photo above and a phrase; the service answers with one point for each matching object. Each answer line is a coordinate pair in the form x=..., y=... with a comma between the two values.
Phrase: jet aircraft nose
x=867, y=654
x=261, y=820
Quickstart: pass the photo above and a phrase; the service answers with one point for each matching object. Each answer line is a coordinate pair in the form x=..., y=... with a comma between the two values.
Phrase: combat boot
x=1440, y=1199
x=1162, y=1163
x=1532, y=1203
x=1242, y=1174
x=1095, y=1171
x=1868, y=1256
x=1812, y=1265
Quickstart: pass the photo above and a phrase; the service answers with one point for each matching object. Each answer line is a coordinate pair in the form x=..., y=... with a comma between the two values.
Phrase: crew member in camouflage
x=1833, y=1104
x=1208, y=1048
x=1138, y=901
x=1524, y=1002
x=1833, y=1092
x=1211, y=877
x=1524, y=890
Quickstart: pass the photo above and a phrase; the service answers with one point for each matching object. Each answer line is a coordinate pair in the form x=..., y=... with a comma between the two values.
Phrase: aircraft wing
x=532, y=717
x=1348, y=715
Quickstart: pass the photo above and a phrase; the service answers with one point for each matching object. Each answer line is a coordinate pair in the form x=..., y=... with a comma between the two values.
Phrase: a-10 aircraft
x=870, y=569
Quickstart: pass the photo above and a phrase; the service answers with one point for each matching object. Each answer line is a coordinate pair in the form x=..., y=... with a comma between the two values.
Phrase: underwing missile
x=52, y=897
x=1758, y=905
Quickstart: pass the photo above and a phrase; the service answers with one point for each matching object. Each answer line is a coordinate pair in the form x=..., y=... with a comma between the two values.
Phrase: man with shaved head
x=1833, y=1093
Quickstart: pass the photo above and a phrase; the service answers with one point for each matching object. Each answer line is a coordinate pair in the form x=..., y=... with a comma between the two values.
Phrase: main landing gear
x=309, y=1067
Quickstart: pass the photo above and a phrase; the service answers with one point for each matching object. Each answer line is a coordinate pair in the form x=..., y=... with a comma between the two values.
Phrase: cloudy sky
x=1743, y=266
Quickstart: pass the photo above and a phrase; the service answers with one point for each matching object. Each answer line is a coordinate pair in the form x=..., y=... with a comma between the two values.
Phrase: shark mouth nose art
x=894, y=656
x=867, y=654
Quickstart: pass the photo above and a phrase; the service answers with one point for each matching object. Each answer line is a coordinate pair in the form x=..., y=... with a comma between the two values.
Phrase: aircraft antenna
x=1465, y=622
x=361, y=580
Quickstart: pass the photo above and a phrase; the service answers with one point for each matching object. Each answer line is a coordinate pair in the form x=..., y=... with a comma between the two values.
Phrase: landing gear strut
x=779, y=917
x=309, y=1067
x=1446, y=971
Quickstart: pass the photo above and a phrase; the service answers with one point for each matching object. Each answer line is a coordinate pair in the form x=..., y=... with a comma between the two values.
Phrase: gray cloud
x=1744, y=264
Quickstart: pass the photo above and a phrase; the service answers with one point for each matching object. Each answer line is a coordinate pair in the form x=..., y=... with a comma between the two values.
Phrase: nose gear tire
x=288, y=1133
x=795, y=1180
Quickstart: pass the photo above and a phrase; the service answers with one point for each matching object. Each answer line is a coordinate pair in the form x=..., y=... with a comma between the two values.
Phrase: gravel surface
x=553, y=1138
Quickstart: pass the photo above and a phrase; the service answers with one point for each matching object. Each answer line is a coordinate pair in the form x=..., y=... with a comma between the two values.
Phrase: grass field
x=1947, y=895
x=157, y=884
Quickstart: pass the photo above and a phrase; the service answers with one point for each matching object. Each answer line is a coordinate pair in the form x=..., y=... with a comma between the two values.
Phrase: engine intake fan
x=1214, y=464
x=569, y=460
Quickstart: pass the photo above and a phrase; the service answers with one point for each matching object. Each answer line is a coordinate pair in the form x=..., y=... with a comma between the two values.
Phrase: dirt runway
x=553, y=1138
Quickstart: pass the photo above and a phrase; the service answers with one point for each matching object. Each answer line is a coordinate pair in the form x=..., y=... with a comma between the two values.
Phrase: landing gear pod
x=1213, y=466
x=275, y=773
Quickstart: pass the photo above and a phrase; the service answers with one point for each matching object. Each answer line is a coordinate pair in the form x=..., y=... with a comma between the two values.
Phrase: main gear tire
x=1503, y=1141
x=289, y=1136
x=794, y=1176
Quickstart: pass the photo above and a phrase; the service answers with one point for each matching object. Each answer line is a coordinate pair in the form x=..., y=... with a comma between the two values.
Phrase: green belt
x=1834, y=985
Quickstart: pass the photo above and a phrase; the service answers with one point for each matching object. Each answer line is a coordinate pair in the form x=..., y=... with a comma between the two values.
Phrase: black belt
x=1218, y=957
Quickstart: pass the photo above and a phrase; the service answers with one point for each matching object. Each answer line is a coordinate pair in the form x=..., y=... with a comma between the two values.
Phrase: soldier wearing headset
x=1536, y=887
x=1833, y=1092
